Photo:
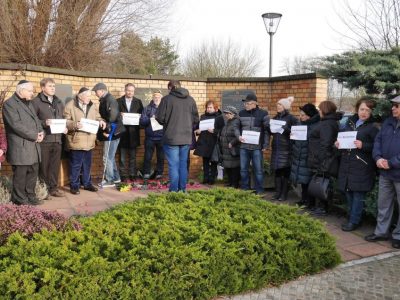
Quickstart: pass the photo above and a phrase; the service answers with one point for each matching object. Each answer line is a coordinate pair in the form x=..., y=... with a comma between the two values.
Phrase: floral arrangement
x=139, y=185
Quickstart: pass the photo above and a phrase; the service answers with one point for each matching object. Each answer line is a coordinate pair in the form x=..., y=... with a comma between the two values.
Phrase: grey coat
x=22, y=127
x=230, y=156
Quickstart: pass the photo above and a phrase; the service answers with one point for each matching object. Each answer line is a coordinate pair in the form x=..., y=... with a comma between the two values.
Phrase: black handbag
x=216, y=154
x=319, y=187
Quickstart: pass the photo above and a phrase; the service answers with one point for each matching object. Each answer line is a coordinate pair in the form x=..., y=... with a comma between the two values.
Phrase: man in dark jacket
x=48, y=107
x=153, y=137
x=130, y=138
x=386, y=153
x=24, y=133
x=177, y=113
x=108, y=109
x=253, y=122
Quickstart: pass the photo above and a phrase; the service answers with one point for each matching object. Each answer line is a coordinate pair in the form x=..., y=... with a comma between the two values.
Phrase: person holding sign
x=386, y=154
x=357, y=170
x=153, y=137
x=130, y=138
x=207, y=140
x=281, y=147
x=322, y=153
x=49, y=109
x=300, y=173
x=252, y=130
x=79, y=142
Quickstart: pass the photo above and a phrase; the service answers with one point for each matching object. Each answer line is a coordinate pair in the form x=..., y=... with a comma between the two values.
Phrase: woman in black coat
x=230, y=147
x=281, y=148
x=300, y=173
x=322, y=154
x=357, y=168
x=207, y=140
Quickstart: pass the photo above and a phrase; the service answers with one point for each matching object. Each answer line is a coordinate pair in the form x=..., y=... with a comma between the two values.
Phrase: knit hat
x=309, y=109
x=230, y=109
x=99, y=86
x=286, y=102
x=250, y=97
x=22, y=81
x=82, y=90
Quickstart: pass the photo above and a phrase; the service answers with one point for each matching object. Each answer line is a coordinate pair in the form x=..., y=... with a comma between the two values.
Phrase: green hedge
x=169, y=246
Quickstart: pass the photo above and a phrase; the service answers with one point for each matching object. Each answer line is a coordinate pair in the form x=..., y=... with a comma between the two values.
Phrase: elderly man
x=153, y=139
x=24, y=133
x=109, y=111
x=177, y=113
x=130, y=139
x=253, y=133
x=48, y=107
x=386, y=153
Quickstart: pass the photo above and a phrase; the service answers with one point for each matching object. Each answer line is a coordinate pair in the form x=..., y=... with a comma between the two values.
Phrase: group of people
x=238, y=137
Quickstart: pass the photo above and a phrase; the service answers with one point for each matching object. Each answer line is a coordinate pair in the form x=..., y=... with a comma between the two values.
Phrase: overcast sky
x=306, y=27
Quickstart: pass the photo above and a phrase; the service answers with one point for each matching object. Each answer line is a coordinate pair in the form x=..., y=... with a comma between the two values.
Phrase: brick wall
x=305, y=88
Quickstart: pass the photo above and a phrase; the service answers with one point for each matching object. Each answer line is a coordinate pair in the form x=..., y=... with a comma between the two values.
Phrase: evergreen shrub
x=169, y=246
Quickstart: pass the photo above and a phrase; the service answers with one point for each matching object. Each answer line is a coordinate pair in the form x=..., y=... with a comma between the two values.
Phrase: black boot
x=278, y=188
x=285, y=189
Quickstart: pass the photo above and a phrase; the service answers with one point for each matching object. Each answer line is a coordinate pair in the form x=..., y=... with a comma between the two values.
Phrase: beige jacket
x=76, y=139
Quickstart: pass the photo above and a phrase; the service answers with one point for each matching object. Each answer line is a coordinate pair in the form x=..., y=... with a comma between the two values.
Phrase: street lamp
x=271, y=21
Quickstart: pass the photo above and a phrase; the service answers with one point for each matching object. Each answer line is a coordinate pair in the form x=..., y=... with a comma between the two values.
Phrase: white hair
x=23, y=86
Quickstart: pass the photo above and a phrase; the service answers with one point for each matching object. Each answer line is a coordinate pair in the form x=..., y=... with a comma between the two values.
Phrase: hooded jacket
x=387, y=146
x=177, y=113
x=109, y=111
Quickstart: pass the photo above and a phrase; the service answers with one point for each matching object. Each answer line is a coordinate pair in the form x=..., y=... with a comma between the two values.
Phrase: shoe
x=75, y=191
x=349, y=227
x=91, y=188
x=396, y=244
x=301, y=203
x=35, y=202
x=106, y=184
x=375, y=238
x=57, y=193
x=158, y=177
x=132, y=177
x=146, y=176
x=117, y=181
x=319, y=212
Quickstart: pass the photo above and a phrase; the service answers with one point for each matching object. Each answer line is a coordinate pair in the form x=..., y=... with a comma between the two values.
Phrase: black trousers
x=50, y=164
x=210, y=169
x=24, y=183
x=233, y=176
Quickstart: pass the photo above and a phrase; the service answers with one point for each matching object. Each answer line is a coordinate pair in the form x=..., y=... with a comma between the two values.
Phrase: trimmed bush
x=28, y=220
x=169, y=246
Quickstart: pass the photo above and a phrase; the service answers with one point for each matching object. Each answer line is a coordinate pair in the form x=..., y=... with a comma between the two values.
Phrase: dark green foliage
x=378, y=71
x=169, y=246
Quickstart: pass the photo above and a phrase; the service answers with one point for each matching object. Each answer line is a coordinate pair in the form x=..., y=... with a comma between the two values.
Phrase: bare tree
x=72, y=34
x=373, y=24
x=299, y=65
x=221, y=59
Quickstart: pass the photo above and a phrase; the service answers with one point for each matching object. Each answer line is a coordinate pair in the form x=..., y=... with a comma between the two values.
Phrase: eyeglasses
x=395, y=105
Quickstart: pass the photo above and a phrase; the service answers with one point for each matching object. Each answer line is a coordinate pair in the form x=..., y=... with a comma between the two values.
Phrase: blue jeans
x=177, y=166
x=256, y=158
x=112, y=173
x=80, y=160
x=149, y=147
x=355, y=202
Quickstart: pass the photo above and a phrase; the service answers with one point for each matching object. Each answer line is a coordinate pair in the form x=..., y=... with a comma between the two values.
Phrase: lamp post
x=271, y=21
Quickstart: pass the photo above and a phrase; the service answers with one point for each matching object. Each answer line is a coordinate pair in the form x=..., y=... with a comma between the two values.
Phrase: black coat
x=323, y=156
x=230, y=156
x=108, y=109
x=46, y=110
x=207, y=140
x=281, y=144
x=357, y=170
x=300, y=172
x=131, y=137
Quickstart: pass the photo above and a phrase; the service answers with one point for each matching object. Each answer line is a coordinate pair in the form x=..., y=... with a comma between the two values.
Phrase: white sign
x=130, y=119
x=206, y=124
x=276, y=126
x=57, y=125
x=251, y=137
x=298, y=133
x=346, y=139
x=155, y=125
x=90, y=126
